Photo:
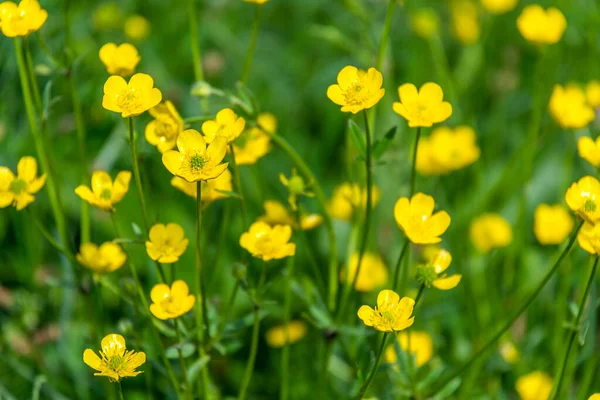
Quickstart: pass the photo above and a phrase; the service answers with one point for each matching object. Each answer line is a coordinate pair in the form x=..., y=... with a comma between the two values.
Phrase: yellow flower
x=432, y=273
x=552, y=224
x=568, y=107
x=589, y=150
x=536, y=385
x=489, y=231
x=277, y=337
x=499, y=6
x=583, y=197
x=22, y=19
x=541, y=26
x=164, y=130
x=105, y=193
x=195, y=161
x=227, y=125
x=356, y=89
x=251, y=146
x=373, y=272
x=296, y=187
x=19, y=190
x=509, y=352
x=424, y=107
x=137, y=28
x=347, y=197
x=416, y=219
x=116, y=362
x=447, y=150
x=588, y=238
x=277, y=214
x=119, y=60
x=465, y=21
x=107, y=258
x=592, y=93
x=130, y=99
x=421, y=347
x=425, y=23
x=171, y=302
x=268, y=122
x=211, y=190
x=391, y=314
x=167, y=243
x=268, y=243
x=595, y=396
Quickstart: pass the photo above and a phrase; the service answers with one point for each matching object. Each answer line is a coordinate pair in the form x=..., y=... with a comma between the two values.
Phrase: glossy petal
x=447, y=283
x=387, y=296
x=27, y=169
x=191, y=141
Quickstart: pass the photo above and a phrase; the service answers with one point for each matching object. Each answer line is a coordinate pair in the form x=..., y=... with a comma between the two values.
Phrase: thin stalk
x=186, y=381
x=194, y=43
x=399, y=263
x=285, y=353
x=419, y=294
x=136, y=173
x=250, y=52
x=386, y=33
x=49, y=237
x=223, y=228
x=32, y=79
x=413, y=168
x=238, y=186
x=309, y=253
x=228, y=311
x=367, y=383
x=574, y=330
x=506, y=326
x=120, y=391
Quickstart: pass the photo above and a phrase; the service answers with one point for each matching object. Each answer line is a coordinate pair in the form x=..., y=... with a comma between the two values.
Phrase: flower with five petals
x=268, y=243
x=115, y=362
x=171, y=302
x=541, y=26
x=23, y=19
x=163, y=131
x=418, y=222
x=583, y=197
x=107, y=258
x=19, y=190
x=226, y=124
x=119, y=60
x=391, y=314
x=356, y=89
x=167, y=243
x=105, y=193
x=424, y=107
x=433, y=273
x=130, y=98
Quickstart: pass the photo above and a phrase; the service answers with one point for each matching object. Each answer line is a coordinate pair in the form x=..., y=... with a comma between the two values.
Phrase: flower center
x=387, y=316
x=165, y=129
x=296, y=185
x=116, y=363
x=18, y=186
x=128, y=100
x=169, y=305
x=426, y=274
x=589, y=205
x=106, y=194
x=356, y=94
x=197, y=162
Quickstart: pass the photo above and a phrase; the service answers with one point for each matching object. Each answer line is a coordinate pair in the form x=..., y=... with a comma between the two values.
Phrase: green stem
x=228, y=312
x=120, y=391
x=386, y=33
x=250, y=52
x=285, y=354
x=309, y=253
x=186, y=381
x=413, y=168
x=49, y=238
x=136, y=173
x=223, y=229
x=32, y=79
x=367, y=383
x=194, y=43
x=506, y=326
x=574, y=330
x=238, y=186
x=419, y=294
x=399, y=263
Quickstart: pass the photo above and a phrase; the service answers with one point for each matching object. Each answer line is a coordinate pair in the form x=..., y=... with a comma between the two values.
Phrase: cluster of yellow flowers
x=447, y=150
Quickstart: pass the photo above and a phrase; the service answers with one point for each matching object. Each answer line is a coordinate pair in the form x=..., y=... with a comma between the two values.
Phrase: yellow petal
x=6, y=199
x=442, y=261
x=158, y=312
x=37, y=184
x=106, y=53
x=387, y=296
x=335, y=94
x=431, y=94
x=85, y=193
x=447, y=283
x=422, y=205
x=366, y=314
x=141, y=82
x=172, y=160
x=92, y=359
x=159, y=292
x=179, y=289
x=113, y=344
x=6, y=178
x=175, y=232
x=137, y=360
x=216, y=151
x=408, y=93
x=23, y=200
x=190, y=141
x=101, y=181
x=347, y=76
x=402, y=210
x=121, y=186
x=27, y=169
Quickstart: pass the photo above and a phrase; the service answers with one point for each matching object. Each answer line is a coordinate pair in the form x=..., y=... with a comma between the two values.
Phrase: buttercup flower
x=418, y=222
x=107, y=258
x=465, y=21
x=267, y=122
x=552, y=224
x=424, y=107
x=541, y=26
x=130, y=99
x=268, y=243
x=167, y=243
x=296, y=187
x=447, y=150
x=137, y=28
x=583, y=197
x=432, y=273
x=277, y=214
x=568, y=107
x=499, y=6
x=347, y=197
x=164, y=129
x=595, y=396
x=115, y=361
x=421, y=347
x=119, y=60
x=536, y=385
x=195, y=161
x=588, y=238
x=19, y=190
x=251, y=146
x=425, y=23
x=171, y=302
x=391, y=314
x=277, y=337
x=490, y=231
x=589, y=150
x=105, y=193
x=211, y=190
x=509, y=352
x=592, y=93
x=227, y=125
x=373, y=272
x=22, y=19
x=356, y=89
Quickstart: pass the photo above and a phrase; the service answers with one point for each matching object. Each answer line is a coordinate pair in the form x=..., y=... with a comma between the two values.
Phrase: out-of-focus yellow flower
x=499, y=6
x=130, y=99
x=278, y=337
x=268, y=122
x=509, y=352
x=347, y=197
x=268, y=243
x=19, y=190
x=421, y=347
x=583, y=197
x=552, y=224
x=211, y=190
x=137, y=28
x=592, y=93
x=588, y=238
x=418, y=222
x=424, y=107
x=536, y=385
x=490, y=231
x=256, y=1
x=195, y=161
x=589, y=150
x=23, y=19
x=541, y=26
x=568, y=107
x=425, y=23
x=251, y=146
x=105, y=193
x=277, y=214
x=107, y=16
x=447, y=150
x=356, y=89
x=167, y=243
x=107, y=258
x=226, y=124
x=164, y=129
x=116, y=362
x=373, y=272
x=465, y=21
x=119, y=60
x=595, y=396
x=171, y=302
x=296, y=187
x=432, y=273
x=391, y=314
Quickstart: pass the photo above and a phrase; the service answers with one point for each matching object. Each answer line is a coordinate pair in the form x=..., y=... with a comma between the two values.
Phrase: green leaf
x=381, y=145
x=585, y=326
x=187, y=349
x=137, y=230
x=194, y=369
x=245, y=321
x=448, y=389
x=358, y=137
